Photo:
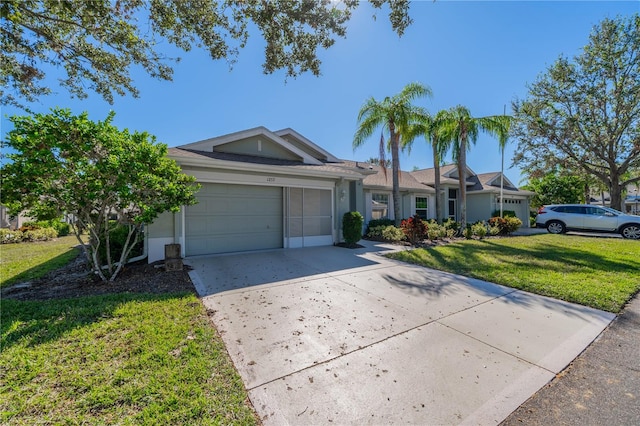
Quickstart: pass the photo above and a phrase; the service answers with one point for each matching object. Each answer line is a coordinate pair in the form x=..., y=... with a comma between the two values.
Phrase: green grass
x=603, y=273
x=28, y=261
x=117, y=359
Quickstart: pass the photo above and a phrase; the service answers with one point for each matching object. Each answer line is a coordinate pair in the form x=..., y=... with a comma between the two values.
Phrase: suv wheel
x=631, y=231
x=555, y=227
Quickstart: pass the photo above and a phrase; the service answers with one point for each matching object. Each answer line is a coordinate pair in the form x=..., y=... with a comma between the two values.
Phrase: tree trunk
x=616, y=192
x=395, y=171
x=462, y=165
x=436, y=166
x=587, y=193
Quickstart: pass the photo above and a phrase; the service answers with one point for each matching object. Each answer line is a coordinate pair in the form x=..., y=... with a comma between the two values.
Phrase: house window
x=453, y=201
x=379, y=206
x=421, y=207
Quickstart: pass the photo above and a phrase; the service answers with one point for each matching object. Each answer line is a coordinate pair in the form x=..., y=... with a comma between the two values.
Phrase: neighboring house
x=11, y=222
x=483, y=193
x=263, y=190
x=630, y=204
x=632, y=201
x=415, y=198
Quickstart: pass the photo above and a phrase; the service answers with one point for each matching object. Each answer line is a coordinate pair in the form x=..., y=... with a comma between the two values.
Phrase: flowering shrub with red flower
x=415, y=229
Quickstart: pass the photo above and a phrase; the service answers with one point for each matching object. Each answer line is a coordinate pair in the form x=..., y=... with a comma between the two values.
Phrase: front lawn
x=28, y=261
x=116, y=359
x=603, y=273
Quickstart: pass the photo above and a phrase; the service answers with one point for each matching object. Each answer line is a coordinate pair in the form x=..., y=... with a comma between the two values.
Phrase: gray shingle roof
x=407, y=181
x=339, y=169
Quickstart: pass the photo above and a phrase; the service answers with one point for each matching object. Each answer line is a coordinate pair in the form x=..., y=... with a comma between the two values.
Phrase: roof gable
x=259, y=142
x=448, y=175
x=304, y=144
x=493, y=179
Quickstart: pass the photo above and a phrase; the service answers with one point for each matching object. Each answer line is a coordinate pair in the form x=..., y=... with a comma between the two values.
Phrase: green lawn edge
x=117, y=359
x=603, y=273
x=28, y=261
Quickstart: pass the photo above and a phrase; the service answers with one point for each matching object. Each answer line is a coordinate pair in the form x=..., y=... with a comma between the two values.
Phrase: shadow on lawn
x=465, y=258
x=563, y=257
x=41, y=269
x=38, y=322
x=470, y=260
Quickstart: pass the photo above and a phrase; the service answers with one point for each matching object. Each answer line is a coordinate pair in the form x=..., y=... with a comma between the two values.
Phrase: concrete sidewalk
x=330, y=335
x=601, y=386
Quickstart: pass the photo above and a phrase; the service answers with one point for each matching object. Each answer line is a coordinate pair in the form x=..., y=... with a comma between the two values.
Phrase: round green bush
x=352, y=227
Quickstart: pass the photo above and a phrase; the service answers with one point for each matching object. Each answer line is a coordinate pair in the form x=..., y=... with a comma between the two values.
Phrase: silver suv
x=560, y=218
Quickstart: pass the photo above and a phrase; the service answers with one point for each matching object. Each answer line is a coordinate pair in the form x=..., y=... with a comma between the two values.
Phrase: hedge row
x=8, y=236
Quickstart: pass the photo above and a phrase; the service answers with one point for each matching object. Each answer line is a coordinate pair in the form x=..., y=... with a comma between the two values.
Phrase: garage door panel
x=233, y=218
x=244, y=225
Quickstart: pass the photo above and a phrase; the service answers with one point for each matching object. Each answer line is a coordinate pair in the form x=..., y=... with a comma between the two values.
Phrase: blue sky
x=478, y=54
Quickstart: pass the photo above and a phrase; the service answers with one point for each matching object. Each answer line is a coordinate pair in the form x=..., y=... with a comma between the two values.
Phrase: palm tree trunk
x=436, y=166
x=462, y=166
x=395, y=171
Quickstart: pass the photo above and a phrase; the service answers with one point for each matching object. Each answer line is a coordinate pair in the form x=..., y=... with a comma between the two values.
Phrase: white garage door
x=232, y=218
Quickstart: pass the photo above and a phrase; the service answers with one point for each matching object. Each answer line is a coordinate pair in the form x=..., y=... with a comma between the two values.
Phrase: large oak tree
x=97, y=43
x=584, y=114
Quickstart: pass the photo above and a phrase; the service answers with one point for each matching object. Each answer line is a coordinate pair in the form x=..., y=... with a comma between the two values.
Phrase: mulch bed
x=74, y=280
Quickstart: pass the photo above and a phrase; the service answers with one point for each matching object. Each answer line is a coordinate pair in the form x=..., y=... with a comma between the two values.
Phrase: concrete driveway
x=330, y=335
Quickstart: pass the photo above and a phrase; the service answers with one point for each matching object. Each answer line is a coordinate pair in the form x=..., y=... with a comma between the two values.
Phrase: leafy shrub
x=505, y=213
x=494, y=230
x=7, y=236
x=414, y=228
x=435, y=231
x=375, y=233
x=29, y=226
x=479, y=229
x=117, y=238
x=512, y=225
x=39, y=234
x=391, y=233
x=62, y=228
x=468, y=232
x=451, y=224
x=506, y=225
x=385, y=233
x=375, y=223
x=352, y=227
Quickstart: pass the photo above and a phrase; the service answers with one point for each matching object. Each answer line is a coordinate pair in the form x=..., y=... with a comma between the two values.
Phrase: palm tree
x=502, y=144
x=460, y=129
x=431, y=128
x=393, y=114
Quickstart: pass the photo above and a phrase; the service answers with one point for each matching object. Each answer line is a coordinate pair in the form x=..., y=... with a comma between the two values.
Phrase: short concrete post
x=172, y=259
